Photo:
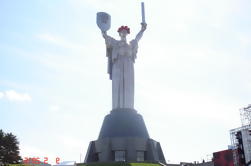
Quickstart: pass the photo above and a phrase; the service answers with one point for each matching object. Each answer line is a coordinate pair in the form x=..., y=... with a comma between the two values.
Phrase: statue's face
x=123, y=33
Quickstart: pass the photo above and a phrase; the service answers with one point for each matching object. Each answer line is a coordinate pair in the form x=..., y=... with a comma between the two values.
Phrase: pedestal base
x=135, y=150
x=124, y=137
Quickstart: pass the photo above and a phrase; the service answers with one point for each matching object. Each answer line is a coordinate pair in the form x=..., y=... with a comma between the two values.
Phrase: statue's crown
x=124, y=28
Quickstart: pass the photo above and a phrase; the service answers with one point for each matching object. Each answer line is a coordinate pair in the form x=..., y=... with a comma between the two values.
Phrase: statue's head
x=123, y=31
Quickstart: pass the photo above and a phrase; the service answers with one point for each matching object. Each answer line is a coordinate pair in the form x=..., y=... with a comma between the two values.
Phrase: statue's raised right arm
x=140, y=34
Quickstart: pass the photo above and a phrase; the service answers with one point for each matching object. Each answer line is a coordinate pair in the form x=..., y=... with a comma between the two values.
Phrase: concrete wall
x=102, y=150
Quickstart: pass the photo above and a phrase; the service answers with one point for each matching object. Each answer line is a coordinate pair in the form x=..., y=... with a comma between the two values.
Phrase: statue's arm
x=108, y=39
x=104, y=34
x=140, y=34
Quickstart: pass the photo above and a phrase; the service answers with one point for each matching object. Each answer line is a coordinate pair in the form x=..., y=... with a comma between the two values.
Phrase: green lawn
x=144, y=164
x=119, y=164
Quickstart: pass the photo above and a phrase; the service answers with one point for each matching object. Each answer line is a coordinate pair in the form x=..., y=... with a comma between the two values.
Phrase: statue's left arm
x=134, y=43
x=140, y=34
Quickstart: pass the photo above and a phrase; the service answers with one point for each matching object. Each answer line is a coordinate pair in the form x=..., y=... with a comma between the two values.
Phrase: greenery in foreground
x=119, y=164
x=9, y=148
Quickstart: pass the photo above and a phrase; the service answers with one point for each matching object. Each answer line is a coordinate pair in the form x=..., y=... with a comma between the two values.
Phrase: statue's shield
x=103, y=21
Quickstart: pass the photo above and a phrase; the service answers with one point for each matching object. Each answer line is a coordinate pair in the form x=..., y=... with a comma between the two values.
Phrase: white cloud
x=54, y=108
x=12, y=95
x=1, y=95
x=245, y=39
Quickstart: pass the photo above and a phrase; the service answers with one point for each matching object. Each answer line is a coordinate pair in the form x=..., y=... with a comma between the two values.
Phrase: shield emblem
x=103, y=21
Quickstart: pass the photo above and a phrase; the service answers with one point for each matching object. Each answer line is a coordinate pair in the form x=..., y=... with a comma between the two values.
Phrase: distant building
x=223, y=158
x=67, y=163
x=241, y=139
x=206, y=164
x=192, y=164
x=241, y=144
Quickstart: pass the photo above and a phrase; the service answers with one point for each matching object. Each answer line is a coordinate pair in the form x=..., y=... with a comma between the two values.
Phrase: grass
x=119, y=164
x=143, y=164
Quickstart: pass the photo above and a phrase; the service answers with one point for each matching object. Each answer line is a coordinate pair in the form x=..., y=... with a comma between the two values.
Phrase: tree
x=9, y=148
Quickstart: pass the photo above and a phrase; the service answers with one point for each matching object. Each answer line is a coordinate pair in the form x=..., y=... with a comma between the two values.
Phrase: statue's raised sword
x=143, y=12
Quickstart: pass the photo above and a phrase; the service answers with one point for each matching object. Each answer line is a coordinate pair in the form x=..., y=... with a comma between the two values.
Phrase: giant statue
x=123, y=136
x=121, y=57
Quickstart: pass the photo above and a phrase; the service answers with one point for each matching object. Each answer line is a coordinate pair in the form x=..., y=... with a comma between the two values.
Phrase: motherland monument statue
x=123, y=136
x=121, y=57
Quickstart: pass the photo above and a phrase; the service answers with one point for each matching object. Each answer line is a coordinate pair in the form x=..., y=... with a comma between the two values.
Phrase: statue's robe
x=121, y=57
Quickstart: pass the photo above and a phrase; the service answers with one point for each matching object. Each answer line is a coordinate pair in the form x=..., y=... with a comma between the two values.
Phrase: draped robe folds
x=121, y=57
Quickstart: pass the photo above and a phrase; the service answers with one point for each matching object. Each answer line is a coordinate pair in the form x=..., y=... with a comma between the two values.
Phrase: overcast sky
x=192, y=73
